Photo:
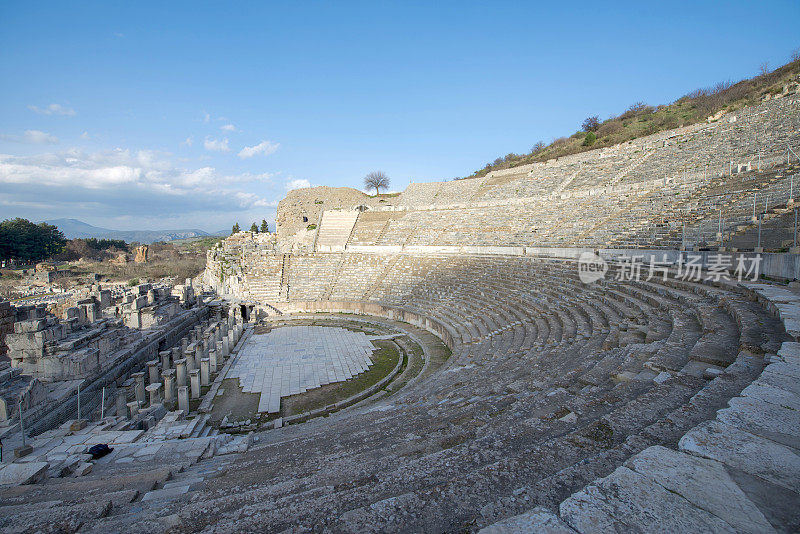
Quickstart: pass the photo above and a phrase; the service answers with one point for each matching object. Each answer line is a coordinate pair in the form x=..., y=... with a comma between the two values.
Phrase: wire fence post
x=759, y=233
x=21, y=422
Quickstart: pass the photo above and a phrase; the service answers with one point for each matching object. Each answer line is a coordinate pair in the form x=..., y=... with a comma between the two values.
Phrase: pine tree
x=235, y=229
x=254, y=228
x=264, y=226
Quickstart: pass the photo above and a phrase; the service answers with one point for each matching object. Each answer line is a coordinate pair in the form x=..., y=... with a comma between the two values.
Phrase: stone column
x=194, y=378
x=139, y=377
x=152, y=372
x=213, y=358
x=189, y=356
x=154, y=393
x=122, y=402
x=169, y=385
x=205, y=371
x=184, y=345
x=133, y=409
x=226, y=346
x=165, y=363
x=207, y=345
x=176, y=355
x=183, y=399
x=180, y=372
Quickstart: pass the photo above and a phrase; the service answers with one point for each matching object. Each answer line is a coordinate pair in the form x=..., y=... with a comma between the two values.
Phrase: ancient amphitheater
x=660, y=402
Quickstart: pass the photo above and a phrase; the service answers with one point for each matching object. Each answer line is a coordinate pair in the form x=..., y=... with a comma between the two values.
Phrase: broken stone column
x=133, y=409
x=105, y=299
x=194, y=378
x=213, y=358
x=226, y=346
x=205, y=371
x=154, y=393
x=189, y=355
x=152, y=372
x=183, y=399
x=176, y=355
x=139, y=389
x=180, y=372
x=122, y=402
x=165, y=363
x=169, y=385
x=184, y=344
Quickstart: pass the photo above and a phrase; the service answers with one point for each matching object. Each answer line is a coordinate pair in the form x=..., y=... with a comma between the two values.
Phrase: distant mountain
x=74, y=228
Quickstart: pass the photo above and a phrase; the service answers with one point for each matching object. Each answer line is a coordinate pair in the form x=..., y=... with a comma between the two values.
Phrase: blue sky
x=154, y=115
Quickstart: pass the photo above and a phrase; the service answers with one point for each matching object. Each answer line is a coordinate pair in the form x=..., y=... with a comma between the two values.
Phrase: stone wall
x=637, y=194
x=303, y=207
x=6, y=327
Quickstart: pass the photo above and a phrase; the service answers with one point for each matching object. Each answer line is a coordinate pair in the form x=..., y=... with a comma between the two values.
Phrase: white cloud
x=189, y=141
x=228, y=128
x=264, y=148
x=54, y=109
x=299, y=183
x=85, y=136
x=113, y=172
x=206, y=117
x=31, y=137
x=216, y=145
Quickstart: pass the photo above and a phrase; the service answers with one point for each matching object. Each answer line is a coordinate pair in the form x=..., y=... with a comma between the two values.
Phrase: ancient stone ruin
x=559, y=366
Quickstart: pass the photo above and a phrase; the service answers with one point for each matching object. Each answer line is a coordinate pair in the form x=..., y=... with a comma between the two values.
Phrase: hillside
x=73, y=228
x=641, y=119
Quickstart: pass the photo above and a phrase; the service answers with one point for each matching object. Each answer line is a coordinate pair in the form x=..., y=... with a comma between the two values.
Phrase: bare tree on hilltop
x=591, y=124
x=377, y=180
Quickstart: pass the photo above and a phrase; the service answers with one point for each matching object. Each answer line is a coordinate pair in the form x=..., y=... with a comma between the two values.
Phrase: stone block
x=77, y=424
x=537, y=521
x=17, y=474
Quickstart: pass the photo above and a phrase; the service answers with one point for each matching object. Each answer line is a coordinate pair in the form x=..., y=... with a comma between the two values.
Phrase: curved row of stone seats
x=457, y=191
x=519, y=416
x=404, y=505
x=765, y=129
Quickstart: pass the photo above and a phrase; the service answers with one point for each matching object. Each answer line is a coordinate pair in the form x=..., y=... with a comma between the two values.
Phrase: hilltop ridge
x=641, y=119
x=73, y=228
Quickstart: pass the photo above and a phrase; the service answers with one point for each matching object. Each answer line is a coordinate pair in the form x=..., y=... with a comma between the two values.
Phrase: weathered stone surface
x=537, y=521
x=628, y=501
x=784, y=382
x=773, y=395
x=705, y=483
x=22, y=473
x=764, y=419
x=732, y=446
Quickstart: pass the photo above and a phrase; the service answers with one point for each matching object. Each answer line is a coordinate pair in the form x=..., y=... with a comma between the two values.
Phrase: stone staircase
x=334, y=231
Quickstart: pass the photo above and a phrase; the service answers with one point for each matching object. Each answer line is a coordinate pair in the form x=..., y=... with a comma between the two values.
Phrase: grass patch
x=384, y=360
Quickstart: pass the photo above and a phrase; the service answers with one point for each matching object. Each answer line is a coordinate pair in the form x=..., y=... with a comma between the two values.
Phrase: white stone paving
x=294, y=359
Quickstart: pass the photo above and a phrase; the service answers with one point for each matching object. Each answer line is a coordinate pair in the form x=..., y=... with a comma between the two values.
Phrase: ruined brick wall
x=6, y=327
